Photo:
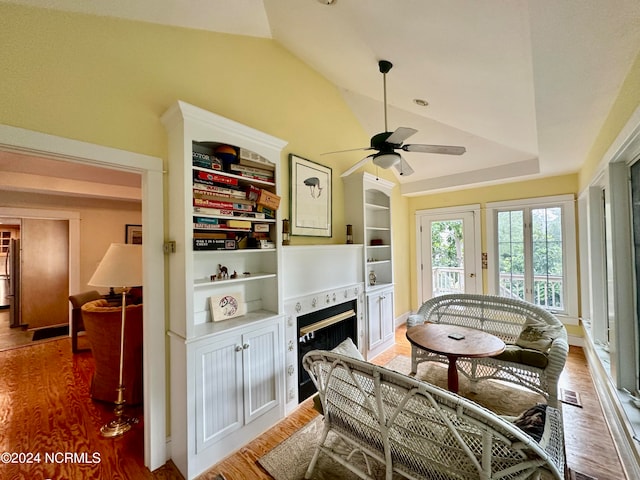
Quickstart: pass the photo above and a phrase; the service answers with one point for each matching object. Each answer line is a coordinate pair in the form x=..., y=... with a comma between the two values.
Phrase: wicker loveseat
x=417, y=430
x=536, y=340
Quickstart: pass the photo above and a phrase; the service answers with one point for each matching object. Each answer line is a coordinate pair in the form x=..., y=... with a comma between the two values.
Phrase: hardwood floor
x=590, y=448
x=12, y=337
x=45, y=409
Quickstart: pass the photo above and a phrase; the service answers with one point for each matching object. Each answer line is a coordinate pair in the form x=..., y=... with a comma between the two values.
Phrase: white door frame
x=441, y=213
x=23, y=141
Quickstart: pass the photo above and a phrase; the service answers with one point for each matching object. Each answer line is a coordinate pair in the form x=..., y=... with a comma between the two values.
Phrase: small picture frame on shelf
x=228, y=305
x=311, y=192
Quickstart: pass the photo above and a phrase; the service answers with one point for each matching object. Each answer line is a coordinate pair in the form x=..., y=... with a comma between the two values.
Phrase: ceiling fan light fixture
x=386, y=159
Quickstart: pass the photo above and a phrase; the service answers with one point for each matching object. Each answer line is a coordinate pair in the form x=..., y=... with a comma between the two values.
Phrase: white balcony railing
x=548, y=290
x=447, y=280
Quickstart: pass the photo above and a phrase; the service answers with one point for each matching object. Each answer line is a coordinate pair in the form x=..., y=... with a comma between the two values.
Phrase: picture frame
x=310, y=196
x=133, y=234
x=227, y=305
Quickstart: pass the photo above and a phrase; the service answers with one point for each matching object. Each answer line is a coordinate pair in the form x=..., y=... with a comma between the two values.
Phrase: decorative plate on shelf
x=228, y=305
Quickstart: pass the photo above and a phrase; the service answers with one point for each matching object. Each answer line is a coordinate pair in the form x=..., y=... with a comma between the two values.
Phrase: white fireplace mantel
x=317, y=277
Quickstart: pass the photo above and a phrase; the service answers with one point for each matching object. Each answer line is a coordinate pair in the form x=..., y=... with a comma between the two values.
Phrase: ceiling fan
x=386, y=143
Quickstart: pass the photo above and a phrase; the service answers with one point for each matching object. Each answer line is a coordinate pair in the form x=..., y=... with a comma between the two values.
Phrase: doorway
x=448, y=242
x=18, y=140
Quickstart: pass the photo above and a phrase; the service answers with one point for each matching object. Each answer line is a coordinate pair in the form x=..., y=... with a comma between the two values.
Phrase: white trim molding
x=569, y=246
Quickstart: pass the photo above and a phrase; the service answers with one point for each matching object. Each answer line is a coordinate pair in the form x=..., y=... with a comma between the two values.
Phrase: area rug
x=289, y=460
x=51, y=332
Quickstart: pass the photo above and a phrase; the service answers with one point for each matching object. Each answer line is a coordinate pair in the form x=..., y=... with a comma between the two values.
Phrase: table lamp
x=121, y=267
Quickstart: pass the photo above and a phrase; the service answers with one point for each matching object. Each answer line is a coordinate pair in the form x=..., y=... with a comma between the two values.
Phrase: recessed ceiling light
x=420, y=102
x=327, y=2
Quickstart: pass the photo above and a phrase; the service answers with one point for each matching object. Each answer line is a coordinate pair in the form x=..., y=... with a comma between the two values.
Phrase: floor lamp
x=121, y=266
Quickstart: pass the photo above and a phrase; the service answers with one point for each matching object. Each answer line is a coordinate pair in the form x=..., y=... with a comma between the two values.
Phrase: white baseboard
x=402, y=319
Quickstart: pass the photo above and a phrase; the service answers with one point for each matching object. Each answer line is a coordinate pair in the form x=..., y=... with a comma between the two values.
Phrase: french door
x=448, y=245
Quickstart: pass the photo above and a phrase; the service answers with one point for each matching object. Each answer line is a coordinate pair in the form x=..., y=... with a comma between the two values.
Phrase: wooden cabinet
x=368, y=210
x=227, y=376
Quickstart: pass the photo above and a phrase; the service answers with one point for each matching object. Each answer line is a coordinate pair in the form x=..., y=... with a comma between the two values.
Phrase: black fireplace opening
x=323, y=330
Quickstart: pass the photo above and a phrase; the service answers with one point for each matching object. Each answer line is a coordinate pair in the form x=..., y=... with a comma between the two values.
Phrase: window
x=532, y=252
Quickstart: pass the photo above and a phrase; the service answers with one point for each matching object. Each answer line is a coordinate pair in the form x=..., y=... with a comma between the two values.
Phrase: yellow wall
x=626, y=103
x=564, y=184
x=108, y=81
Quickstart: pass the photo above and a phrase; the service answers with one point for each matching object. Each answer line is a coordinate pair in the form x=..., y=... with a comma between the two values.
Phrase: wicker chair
x=421, y=431
x=506, y=318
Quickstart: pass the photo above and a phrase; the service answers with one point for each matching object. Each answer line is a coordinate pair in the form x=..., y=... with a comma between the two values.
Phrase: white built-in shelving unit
x=368, y=209
x=227, y=377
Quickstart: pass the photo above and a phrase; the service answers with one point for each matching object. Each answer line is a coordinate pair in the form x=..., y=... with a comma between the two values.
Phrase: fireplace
x=322, y=283
x=323, y=330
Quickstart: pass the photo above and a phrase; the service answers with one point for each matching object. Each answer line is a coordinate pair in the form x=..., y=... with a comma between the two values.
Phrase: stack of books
x=225, y=212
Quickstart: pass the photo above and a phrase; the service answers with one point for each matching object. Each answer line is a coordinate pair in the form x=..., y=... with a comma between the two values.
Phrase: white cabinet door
x=374, y=332
x=387, y=316
x=218, y=390
x=262, y=372
x=237, y=381
x=380, y=318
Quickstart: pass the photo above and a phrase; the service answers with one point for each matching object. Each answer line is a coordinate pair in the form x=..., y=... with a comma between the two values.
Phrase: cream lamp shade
x=121, y=266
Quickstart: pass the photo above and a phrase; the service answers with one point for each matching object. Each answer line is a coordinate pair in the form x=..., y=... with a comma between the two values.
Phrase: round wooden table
x=434, y=337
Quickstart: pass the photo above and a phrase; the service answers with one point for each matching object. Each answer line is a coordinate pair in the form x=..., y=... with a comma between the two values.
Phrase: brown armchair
x=77, y=324
x=102, y=323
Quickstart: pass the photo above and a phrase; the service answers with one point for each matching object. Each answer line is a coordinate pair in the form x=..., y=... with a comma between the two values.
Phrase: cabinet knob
x=245, y=346
x=238, y=348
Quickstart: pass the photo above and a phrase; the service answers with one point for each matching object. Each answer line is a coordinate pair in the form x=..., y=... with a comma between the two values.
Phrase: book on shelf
x=239, y=224
x=256, y=215
x=211, y=178
x=209, y=235
x=205, y=160
x=219, y=190
x=224, y=224
x=270, y=167
x=245, y=155
x=261, y=227
x=222, y=204
x=269, y=212
x=206, y=220
x=251, y=176
x=221, y=198
x=261, y=172
x=225, y=212
x=214, y=244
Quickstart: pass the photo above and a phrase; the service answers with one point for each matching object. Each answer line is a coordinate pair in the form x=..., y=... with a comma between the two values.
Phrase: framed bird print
x=310, y=195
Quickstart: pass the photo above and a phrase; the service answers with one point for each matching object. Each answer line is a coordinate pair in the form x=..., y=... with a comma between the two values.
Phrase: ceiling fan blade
x=446, y=149
x=356, y=166
x=403, y=167
x=344, y=151
x=400, y=135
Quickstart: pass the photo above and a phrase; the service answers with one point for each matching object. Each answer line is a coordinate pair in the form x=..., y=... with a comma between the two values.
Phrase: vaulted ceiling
x=524, y=85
